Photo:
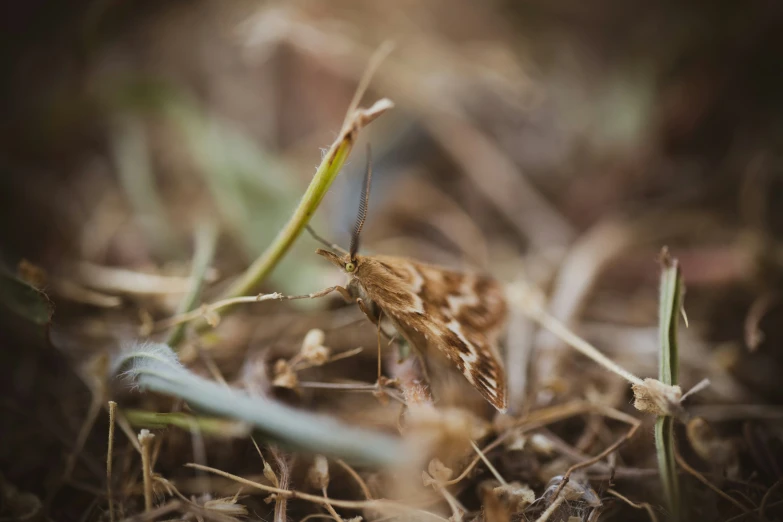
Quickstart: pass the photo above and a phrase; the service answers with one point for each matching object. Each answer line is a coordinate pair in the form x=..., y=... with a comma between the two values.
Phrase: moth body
x=459, y=315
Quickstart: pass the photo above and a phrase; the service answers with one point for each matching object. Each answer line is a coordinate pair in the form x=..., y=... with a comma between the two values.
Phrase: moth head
x=345, y=262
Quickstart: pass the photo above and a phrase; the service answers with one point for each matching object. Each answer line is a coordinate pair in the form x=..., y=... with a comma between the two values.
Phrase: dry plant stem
x=617, y=415
x=701, y=478
x=551, y=509
x=329, y=507
x=109, y=454
x=96, y=404
x=205, y=310
x=124, y=281
x=642, y=505
x=165, y=509
x=489, y=465
x=327, y=171
x=360, y=387
x=767, y=497
x=753, y=513
x=539, y=419
x=454, y=505
x=347, y=504
x=284, y=472
x=582, y=346
x=352, y=472
x=127, y=429
x=145, y=439
x=575, y=278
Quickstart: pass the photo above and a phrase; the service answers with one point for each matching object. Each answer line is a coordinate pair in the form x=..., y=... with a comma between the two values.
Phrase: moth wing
x=459, y=314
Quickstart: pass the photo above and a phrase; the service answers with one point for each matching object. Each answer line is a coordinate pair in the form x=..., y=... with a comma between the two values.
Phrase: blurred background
x=561, y=143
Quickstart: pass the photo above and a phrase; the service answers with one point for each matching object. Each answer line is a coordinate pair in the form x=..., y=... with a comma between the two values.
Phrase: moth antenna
x=325, y=242
x=357, y=228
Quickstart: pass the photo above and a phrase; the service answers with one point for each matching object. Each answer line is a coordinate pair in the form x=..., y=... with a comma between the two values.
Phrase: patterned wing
x=461, y=314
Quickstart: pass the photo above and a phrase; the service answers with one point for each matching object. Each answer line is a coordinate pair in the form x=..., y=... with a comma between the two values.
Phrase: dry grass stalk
x=109, y=460
x=379, y=505
x=145, y=439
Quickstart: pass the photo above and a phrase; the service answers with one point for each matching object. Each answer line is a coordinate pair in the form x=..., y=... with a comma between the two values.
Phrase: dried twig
x=109, y=454
x=379, y=505
x=701, y=478
x=145, y=439
x=641, y=505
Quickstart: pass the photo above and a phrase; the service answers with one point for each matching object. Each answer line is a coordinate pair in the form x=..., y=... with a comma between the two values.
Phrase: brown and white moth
x=460, y=314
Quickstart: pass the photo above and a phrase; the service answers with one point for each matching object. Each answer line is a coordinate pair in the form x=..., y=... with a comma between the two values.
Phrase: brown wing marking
x=458, y=313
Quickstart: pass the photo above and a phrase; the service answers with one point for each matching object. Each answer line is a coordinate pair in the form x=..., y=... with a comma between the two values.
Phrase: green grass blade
x=327, y=171
x=669, y=314
x=155, y=367
x=671, y=291
x=206, y=239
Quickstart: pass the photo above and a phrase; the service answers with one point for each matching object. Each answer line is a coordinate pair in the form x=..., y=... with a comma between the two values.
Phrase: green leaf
x=155, y=367
x=24, y=299
x=212, y=426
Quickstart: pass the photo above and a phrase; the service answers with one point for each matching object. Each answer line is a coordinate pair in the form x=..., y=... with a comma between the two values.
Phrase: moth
x=459, y=314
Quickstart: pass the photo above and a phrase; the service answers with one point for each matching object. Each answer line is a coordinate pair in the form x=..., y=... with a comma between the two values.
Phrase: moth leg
x=376, y=320
x=380, y=373
x=341, y=289
x=423, y=366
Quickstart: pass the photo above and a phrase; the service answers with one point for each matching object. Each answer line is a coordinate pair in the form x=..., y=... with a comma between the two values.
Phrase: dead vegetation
x=160, y=179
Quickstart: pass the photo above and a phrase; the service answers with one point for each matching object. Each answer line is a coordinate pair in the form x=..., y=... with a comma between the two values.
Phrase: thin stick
x=329, y=507
x=489, y=464
x=145, y=439
x=375, y=61
x=551, y=509
x=579, y=344
x=687, y=467
x=642, y=505
x=635, y=424
x=352, y=472
x=165, y=509
x=84, y=432
x=348, y=504
x=333, y=358
x=767, y=496
x=109, y=454
x=476, y=460
x=204, y=310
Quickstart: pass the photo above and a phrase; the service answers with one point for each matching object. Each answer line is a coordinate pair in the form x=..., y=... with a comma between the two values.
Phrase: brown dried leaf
x=439, y=471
